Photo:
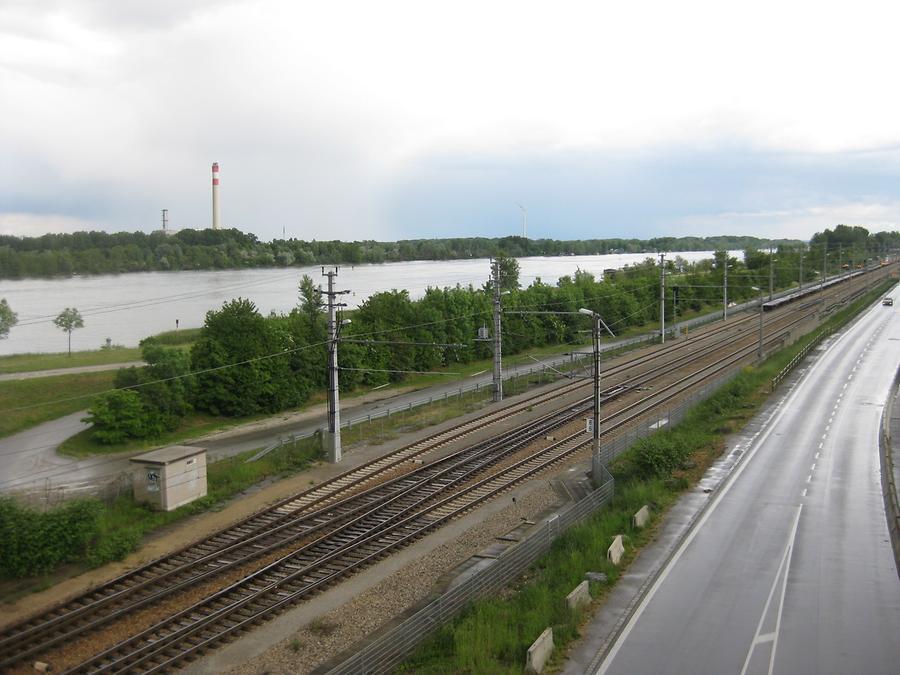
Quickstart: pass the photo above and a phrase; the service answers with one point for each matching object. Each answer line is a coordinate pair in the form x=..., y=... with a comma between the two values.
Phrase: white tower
x=215, y=190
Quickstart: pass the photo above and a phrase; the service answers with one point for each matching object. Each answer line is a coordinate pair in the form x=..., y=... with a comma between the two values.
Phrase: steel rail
x=261, y=550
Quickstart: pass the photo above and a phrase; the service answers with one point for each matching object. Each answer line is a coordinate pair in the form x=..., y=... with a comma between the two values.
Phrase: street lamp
x=759, y=349
x=725, y=289
x=596, y=463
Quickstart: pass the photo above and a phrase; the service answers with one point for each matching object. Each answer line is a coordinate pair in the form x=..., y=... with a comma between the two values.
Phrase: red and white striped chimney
x=215, y=191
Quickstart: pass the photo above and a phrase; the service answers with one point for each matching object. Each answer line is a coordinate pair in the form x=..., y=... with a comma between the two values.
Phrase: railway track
x=378, y=503
x=280, y=525
x=361, y=541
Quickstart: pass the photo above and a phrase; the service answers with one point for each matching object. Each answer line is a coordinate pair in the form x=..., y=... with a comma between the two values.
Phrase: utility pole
x=333, y=445
x=498, y=342
x=801, y=267
x=771, y=273
x=824, y=263
x=840, y=269
x=662, y=298
x=596, y=323
x=759, y=349
x=675, y=329
x=725, y=291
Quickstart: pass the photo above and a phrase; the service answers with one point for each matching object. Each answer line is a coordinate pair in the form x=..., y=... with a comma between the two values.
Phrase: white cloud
x=34, y=225
x=797, y=223
x=314, y=109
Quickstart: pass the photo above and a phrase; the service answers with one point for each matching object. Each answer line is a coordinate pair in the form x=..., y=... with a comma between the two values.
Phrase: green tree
x=68, y=320
x=310, y=299
x=8, y=318
x=245, y=363
x=117, y=416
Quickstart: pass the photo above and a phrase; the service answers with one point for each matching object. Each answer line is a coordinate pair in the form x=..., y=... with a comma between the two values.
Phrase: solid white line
x=769, y=427
x=730, y=481
x=787, y=571
x=785, y=561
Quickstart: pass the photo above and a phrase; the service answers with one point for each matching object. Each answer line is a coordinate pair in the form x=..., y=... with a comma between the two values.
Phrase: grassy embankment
x=28, y=363
x=494, y=634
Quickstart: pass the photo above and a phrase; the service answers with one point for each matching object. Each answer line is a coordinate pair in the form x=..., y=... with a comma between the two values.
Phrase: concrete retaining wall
x=641, y=517
x=616, y=550
x=539, y=652
x=578, y=597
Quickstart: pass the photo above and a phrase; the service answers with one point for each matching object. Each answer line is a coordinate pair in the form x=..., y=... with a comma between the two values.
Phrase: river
x=128, y=307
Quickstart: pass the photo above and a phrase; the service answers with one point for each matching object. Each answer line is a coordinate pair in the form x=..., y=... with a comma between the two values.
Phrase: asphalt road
x=790, y=569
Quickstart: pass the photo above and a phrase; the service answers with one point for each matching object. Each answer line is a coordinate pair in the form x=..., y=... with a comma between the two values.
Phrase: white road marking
x=817, y=455
x=753, y=447
x=766, y=431
x=803, y=493
x=785, y=565
x=808, y=478
x=813, y=468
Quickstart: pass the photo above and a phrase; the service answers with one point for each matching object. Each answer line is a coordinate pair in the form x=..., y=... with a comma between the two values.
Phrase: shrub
x=36, y=543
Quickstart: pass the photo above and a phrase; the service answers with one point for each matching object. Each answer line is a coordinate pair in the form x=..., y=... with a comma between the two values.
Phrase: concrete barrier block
x=641, y=517
x=539, y=652
x=616, y=550
x=578, y=597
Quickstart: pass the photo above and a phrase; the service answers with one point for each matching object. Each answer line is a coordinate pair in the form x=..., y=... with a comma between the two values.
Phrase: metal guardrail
x=347, y=424
x=794, y=362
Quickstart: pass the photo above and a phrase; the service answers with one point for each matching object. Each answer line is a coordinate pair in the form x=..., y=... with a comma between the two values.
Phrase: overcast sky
x=393, y=120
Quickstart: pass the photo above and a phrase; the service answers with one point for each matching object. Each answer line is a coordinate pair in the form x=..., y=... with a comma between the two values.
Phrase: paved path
x=34, y=374
x=789, y=569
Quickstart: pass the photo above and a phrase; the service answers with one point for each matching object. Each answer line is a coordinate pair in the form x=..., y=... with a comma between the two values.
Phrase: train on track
x=775, y=303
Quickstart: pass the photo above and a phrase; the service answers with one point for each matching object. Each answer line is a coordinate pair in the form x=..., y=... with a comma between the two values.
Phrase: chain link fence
x=390, y=648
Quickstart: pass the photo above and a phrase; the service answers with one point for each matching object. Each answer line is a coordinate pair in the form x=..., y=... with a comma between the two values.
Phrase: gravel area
x=332, y=633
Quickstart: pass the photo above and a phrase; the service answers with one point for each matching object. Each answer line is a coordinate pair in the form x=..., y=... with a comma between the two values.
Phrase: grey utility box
x=170, y=477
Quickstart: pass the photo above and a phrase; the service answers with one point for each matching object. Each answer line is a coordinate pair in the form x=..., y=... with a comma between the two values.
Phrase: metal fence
x=389, y=649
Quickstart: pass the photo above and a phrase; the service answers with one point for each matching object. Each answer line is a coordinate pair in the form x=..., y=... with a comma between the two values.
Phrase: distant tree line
x=104, y=253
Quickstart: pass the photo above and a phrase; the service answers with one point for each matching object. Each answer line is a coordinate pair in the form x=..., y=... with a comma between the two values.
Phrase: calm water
x=129, y=307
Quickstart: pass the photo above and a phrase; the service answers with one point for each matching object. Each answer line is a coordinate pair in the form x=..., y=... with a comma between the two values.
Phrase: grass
x=193, y=426
x=26, y=403
x=123, y=524
x=25, y=363
x=493, y=635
